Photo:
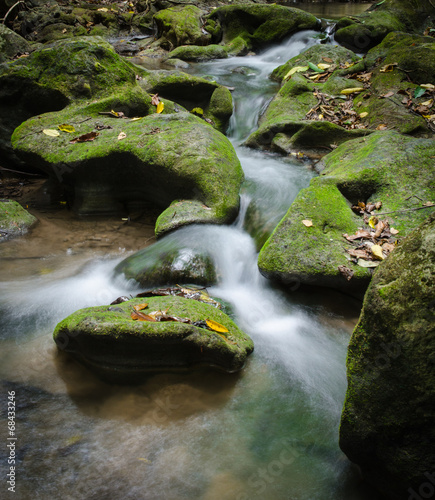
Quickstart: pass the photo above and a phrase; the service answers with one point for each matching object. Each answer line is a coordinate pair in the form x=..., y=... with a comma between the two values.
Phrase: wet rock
x=181, y=25
x=387, y=420
x=12, y=44
x=14, y=220
x=361, y=33
x=256, y=25
x=161, y=158
x=197, y=54
x=122, y=350
x=166, y=265
x=381, y=167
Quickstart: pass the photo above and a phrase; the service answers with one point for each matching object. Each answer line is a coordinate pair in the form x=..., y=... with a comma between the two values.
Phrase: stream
x=269, y=432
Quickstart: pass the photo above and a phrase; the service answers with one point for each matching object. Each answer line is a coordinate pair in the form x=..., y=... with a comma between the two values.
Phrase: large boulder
x=363, y=32
x=120, y=349
x=127, y=162
x=379, y=168
x=14, y=219
x=388, y=415
x=12, y=44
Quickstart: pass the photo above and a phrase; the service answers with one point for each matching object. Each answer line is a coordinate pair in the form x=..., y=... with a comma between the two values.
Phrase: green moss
x=14, y=219
x=198, y=53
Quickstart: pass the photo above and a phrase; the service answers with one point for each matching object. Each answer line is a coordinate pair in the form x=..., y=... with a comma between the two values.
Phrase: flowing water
x=269, y=432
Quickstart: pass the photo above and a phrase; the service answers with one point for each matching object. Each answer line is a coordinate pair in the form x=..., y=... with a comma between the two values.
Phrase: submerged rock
x=387, y=421
x=119, y=349
x=381, y=167
x=14, y=219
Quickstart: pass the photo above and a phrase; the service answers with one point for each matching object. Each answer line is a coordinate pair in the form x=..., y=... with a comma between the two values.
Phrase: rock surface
x=14, y=220
x=12, y=44
x=387, y=421
x=119, y=349
x=381, y=167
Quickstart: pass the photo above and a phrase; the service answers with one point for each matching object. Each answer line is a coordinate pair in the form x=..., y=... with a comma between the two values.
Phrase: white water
x=268, y=433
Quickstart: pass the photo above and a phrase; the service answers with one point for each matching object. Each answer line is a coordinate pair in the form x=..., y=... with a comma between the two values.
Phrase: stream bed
x=269, y=432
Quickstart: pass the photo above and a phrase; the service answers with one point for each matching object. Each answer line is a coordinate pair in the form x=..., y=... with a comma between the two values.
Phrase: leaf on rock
x=51, y=132
x=327, y=59
x=295, y=69
x=419, y=91
x=363, y=114
x=155, y=99
x=215, y=326
x=388, y=248
x=355, y=90
x=359, y=253
x=137, y=315
x=66, y=128
x=346, y=272
x=380, y=226
x=314, y=67
x=429, y=204
x=136, y=118
x=394, y=231
x=307, y=223
x=360, y=234
x=139, y=307
x=377, y=252
x=382, y=126
x=91, y=136
x=323, y=66
x=388, y=94
x=367, y=263
x=373, y=221
x=388, y=68
x=122, y=135
x=427, y=86
x=160, y=107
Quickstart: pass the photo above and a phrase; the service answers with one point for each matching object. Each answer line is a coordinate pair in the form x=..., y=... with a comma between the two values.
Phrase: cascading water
x=269, y=432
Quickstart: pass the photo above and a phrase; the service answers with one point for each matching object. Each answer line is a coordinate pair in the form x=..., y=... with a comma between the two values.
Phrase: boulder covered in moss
x=121, y=349
x=52, y=77
x=387, y=420
x=12, y=44
x=140, y=158
x=14, y=219
x=362, y=32
x=210, y=100
x=257, y=24
x=198, y=53
x=181, y=25
x=286, y=125
x=379, y=168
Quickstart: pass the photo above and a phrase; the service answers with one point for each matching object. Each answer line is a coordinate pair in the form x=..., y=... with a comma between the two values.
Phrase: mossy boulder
x=257, y=24
x=14, y=219
x=166, y=263
x=12, y=44
x=192, y=92
x=52, y=77
x=387, y=420
x=180, y=25
x=363, y=32
x=381, y=167
x=284, y=127
x=119, y=349
x=161, y=158
x=198, y=54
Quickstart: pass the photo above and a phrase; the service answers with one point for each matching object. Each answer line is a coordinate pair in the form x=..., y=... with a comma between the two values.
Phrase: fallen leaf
x=327, y=59
x=388, y=68
x=215, y=326
x=394, y=231
x=377, y=252
x=419, y=91
x=427, y=103
x=139, y=307
x=198, y=111
x=388, y=248
x=359, y=253
x=137, y=315
x=307, y=223
x=155, y=99
x=103, y=9
x=355, y=90
x=428, y=86
x=388, y=94
x=85, y=137
x=382, y=126
x=360, y=234
x=367, y=263
x=314, y=67
x=66, y=128
x=160, y=107
x=373, y=221
x=363, y=114
x=429, y=204
x=323, y=66
x=51, y=132
x=136, y=118
x=295, y=69
x=346, y=272
x=380, y=226
x=122, y=135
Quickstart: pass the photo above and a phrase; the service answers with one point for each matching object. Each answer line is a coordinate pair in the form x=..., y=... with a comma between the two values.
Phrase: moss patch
x=14, y=219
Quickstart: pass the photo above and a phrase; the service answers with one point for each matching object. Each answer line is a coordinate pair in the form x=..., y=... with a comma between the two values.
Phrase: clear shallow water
x=269, y=432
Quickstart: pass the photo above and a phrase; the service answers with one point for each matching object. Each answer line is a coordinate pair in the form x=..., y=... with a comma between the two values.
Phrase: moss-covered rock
x=363, y=32
x=381, y=167
x=166, y=263
x=197, y=53
x=12, y=44
x=180, y=25
x=387, y=421
x=157, y=159
x=192, y=92
x=14, y=219
x=257, y=25
x=119, y=349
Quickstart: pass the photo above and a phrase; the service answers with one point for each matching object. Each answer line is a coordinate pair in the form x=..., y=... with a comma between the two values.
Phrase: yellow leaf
x=295, y=69
x=50, y=132
x=160, y=107
x=363, y=114
x=427, y=103
x=114, y=113
x=215, y=326
x=66, y=128
x=323, y=66
x=139, y=307
x=136, y=118
x=394, y=231
x=388, y=68
x=103, y=9
x=377, y=252
x=355, y=90
x=320, y=117
x=145, y=460
x=373, y=221
x=307, y=223
x=428, y=86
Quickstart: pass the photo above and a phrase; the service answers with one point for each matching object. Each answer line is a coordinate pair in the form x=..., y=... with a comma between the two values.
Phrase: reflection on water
x=269, y=432
x=328, y=9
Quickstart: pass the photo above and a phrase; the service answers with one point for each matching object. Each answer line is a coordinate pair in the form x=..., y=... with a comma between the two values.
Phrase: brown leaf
x=327, y=59
x=139, y=307
x=155, y=99
x=388, y=94
x=346, y=272
x=91, y=136
x=137, y=315
x=388, y=248
x=307, y=223
x=382, y=126
x=360, y=234
x=359, y=253
x=380, y=226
